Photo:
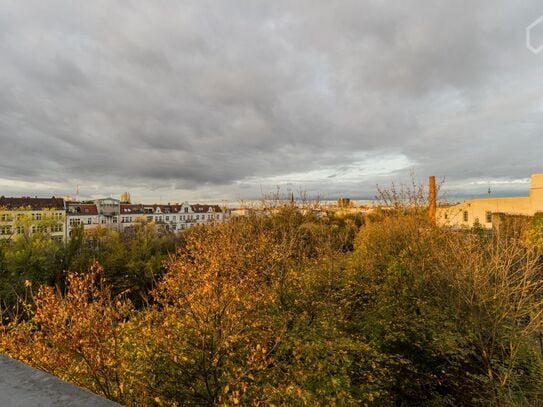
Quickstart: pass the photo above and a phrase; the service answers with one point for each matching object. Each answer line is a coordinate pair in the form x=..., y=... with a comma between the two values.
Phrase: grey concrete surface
x=24, y=386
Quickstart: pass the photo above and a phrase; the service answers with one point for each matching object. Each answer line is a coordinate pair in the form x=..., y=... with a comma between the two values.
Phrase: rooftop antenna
x=77, y=193
x=489, y=190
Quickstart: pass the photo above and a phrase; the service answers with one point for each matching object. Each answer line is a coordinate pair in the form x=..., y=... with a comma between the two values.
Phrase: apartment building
x=178, y=217
x=112, y=213
x=25, y=216
x=20, y=215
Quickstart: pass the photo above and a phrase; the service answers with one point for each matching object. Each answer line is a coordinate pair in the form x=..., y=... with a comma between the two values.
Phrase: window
x=488, y=217
x=167, y=218
x=466, y=218
x=186, y=210
x=5, y=230
x=89, y=221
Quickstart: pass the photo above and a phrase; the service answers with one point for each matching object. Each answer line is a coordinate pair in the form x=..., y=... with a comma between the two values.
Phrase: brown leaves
x=75, y=335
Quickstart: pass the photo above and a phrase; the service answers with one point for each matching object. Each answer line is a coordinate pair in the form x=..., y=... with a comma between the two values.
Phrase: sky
x=228, y=100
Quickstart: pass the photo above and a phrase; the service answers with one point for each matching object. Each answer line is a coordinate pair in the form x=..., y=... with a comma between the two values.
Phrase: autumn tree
x=75, y=335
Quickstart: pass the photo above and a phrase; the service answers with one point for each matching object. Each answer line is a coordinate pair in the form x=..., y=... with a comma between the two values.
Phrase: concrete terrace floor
x=24, y=386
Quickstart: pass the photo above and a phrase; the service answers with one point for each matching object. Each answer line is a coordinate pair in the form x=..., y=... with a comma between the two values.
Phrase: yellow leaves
x=28, y=283
x=77, y=334
x=217, y=320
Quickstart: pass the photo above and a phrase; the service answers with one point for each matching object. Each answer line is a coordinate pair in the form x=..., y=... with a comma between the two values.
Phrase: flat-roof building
x=480, y=211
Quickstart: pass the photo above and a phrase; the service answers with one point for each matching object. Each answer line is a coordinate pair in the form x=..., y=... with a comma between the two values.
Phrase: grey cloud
x=202, y=98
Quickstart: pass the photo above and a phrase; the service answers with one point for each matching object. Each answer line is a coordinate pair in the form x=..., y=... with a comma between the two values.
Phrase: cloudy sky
x=212, y=100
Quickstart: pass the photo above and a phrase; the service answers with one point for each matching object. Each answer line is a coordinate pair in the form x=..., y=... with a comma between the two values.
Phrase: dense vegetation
x=289, y=309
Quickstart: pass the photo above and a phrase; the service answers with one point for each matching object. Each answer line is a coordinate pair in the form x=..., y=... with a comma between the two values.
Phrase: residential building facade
x=25, y=216
x=60, y=217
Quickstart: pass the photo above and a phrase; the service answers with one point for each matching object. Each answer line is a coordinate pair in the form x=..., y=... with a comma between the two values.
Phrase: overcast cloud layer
x=178, y=100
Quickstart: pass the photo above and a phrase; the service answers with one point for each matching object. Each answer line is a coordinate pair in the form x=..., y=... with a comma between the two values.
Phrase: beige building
x=26, y=216
x=481, y=211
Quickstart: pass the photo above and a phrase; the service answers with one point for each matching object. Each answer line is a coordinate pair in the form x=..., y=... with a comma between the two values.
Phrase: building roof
x=82, y=209
x=164, y=208
x=35, y=204
x=131, y=208
x=199, y=208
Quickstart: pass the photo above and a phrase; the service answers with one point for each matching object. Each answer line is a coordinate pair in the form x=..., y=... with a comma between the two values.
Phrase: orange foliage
x=76, y=336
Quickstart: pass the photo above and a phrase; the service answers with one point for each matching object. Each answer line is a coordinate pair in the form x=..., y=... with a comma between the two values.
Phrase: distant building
x=111, y=213
x=131, y=214
x=106, y=212
x=25, y=215
x=78, y=213
x=125, y=198
x=183, y=216
x=482, y=211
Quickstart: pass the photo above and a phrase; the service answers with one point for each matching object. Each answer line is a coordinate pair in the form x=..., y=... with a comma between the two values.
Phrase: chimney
x=432, y=199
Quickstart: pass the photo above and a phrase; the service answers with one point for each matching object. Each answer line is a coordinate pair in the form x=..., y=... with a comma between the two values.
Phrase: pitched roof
x=165, y=208
x=35, y=204
x=131, y=208
x=82, y=209
x=199, y=208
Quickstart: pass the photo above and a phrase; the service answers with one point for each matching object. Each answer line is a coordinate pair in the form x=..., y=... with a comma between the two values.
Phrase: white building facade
x=106, y=212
